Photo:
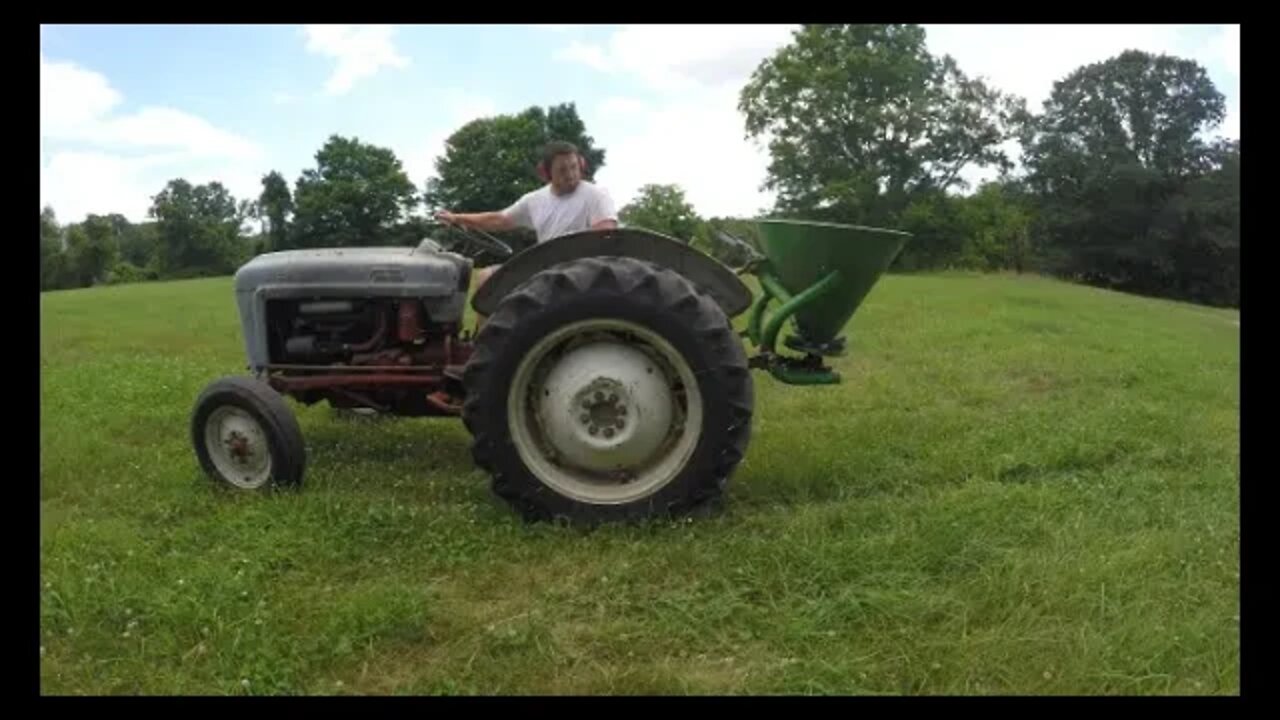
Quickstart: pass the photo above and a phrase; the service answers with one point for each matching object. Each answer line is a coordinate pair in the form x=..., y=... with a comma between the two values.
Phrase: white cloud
x=1028, y=59
x=1226, y=45
x=590, y=55
x=691, y=134
x=168, y=128
x=103, y=161
x=71, y=98
x=1231, y=124
x=696, y=143
x=1229, y=46
x=682, y=57
x=359, y=51
x=615, y=106
x=76, y=184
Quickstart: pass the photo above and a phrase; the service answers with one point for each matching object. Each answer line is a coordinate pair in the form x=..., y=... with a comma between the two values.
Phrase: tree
x=139, y=244
x=93, y=248
x=662, y=209
x=1136, y=109
x=1113, y=158
x=937, y=234
x=49, y=230
x=198, y=228
x=276, y=205
x=996, y=222
x=355, y=196
x=490, y=162
x=862, y=119
x=89, y=254
x=54, y=270
x=1200, y=230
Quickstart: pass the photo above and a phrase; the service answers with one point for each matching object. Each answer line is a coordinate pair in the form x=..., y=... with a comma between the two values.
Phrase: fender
x=710, y=275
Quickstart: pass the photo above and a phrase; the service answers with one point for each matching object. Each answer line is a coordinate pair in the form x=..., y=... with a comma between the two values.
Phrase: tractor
x=605, y=382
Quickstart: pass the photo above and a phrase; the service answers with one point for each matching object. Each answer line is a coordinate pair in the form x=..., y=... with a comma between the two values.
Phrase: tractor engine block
x=403, y=358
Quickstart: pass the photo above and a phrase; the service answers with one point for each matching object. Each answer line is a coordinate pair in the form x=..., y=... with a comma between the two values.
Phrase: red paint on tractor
x=410, y=321
x=315, y=382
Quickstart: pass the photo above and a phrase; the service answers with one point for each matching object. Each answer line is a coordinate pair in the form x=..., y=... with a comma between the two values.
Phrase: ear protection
x=544, y=172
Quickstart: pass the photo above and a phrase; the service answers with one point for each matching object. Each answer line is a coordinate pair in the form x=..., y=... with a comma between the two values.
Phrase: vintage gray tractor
x=606, y=381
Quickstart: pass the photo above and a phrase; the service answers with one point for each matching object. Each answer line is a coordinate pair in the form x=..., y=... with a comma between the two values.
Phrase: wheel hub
x=604, y=411
x=606, y=407
x=238, y=447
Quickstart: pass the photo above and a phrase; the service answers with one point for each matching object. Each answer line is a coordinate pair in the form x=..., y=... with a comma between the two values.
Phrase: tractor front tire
x=246, y=437
x=608, y=389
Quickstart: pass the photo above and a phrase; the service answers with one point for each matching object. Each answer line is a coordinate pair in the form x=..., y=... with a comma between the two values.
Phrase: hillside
x=1022, y=486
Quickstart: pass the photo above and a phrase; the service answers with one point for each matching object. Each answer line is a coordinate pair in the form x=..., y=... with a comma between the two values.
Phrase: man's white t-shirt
x=550, y=215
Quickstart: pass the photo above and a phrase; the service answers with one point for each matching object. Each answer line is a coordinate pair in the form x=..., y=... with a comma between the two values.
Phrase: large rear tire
x=608, y=389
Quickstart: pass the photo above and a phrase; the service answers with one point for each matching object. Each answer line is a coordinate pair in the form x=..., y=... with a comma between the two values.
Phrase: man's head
x=562, y=166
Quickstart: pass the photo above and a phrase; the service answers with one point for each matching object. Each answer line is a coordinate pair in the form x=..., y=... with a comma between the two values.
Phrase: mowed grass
x=1021, y=487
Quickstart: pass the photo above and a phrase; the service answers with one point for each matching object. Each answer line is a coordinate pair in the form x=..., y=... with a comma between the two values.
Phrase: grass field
x=1022, y=487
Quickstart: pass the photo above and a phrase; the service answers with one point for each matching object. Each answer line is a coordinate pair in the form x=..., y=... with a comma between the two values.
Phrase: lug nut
x=608, y=432
x=622, y=410
x=599, y=396
x=585, y=418
x=593, y=430
x=612, y=398
x=620, y=423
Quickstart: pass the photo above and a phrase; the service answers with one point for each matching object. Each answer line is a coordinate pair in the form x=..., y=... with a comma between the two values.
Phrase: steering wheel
x=489, y=242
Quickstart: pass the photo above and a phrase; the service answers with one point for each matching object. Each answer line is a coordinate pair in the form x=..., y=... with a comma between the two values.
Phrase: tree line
x=1120, y=184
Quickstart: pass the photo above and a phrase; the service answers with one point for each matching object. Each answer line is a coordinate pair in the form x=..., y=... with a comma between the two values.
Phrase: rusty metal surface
x=445, y=403
x=315, y=382
x=410, y=378
x=340, y=369
x=410, y=314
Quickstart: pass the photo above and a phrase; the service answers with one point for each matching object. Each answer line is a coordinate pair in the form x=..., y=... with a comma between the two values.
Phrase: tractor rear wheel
x=608, y=389
x=246, y=437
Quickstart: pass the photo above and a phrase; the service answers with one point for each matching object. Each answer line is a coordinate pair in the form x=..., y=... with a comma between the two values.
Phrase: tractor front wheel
x=246, y=437
x=608, y=389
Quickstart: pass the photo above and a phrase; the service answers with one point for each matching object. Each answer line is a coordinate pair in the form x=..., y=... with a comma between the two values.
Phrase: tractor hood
x=438, y=279
x=379, y=271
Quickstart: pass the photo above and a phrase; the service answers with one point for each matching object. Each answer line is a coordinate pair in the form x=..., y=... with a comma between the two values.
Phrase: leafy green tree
x=996, y=222
x=662, y=209
x=55, y=272
x=276, y=205
x=1115, y=159
x=139, y=244
x=863, y=120
x=198, y=228
x=355, y=196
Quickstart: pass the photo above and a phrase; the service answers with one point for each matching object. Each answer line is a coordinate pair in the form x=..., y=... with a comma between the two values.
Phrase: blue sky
x=125, y=108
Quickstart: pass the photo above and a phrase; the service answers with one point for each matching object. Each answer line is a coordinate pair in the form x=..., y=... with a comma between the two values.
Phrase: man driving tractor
x=566, y=204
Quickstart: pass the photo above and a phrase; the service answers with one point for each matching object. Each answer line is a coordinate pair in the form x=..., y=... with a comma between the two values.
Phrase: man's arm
x=487, y=221
x=511, y=218
x=603, y=215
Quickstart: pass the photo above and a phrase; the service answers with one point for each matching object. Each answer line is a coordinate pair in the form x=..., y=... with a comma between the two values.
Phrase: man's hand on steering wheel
x=475, y=234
